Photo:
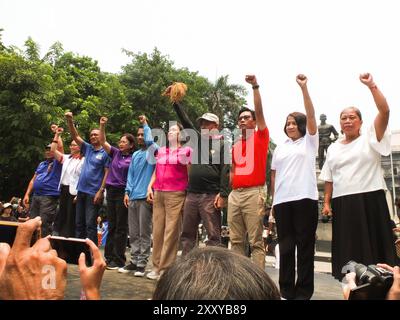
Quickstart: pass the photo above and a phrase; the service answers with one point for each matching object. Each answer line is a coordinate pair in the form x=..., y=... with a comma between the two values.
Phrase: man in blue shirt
x=139, y=210
x=44, y=185
x=91, y=181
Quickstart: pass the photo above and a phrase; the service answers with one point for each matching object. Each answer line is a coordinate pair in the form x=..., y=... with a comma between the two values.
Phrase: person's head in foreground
x=215, y=273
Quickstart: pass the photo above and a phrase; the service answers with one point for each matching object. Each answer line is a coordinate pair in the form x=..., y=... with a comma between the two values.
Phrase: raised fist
x=301, y=79
x=53, y=127
x=366, y=78
x=142, y=119
x=60, y=130
x=103, y=120
x=68, y=115
x=251, y=79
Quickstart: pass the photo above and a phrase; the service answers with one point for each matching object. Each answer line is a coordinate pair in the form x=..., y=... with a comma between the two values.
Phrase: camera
x=373, y=282
x=225, y=236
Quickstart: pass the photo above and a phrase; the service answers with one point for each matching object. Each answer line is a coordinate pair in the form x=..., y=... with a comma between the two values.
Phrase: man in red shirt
x=249, y=160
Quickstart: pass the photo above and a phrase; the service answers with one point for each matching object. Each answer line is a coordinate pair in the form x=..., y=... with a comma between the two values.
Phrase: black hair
x=244, y=109
x=301, y=121
x=131, y=140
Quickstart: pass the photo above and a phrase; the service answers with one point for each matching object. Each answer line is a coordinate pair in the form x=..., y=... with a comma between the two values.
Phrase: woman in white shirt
x=295, y=199
x=354, y=182
x=64, y=223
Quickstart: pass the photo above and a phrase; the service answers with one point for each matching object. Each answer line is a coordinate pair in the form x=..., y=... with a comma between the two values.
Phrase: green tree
x=26, y=112
x=146, y=78
x=36, y=91
x=226, y=100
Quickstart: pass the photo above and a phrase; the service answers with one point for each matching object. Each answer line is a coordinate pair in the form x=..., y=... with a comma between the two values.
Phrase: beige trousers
x=167, y=221
x=245, y=215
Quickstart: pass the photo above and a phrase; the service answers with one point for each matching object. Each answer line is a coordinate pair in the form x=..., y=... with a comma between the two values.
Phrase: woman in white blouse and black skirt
x=295, y=200
x=354, y=183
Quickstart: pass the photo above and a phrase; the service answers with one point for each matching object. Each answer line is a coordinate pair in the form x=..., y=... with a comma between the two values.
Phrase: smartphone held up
x=69, y=249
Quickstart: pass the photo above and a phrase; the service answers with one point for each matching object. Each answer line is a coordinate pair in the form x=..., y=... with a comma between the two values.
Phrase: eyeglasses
x=244, y=118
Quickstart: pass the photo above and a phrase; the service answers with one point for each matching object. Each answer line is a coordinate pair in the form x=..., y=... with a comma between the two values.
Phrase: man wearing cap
x=44, y=185
x=208, y=181
x=6, y=214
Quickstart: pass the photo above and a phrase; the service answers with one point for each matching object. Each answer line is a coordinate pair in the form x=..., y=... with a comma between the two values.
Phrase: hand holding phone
x=31, y=272
x=70, y=249
x=91, y=277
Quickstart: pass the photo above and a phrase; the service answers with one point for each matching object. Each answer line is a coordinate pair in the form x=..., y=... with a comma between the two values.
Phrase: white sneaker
x=139, y=272
x=153, y=275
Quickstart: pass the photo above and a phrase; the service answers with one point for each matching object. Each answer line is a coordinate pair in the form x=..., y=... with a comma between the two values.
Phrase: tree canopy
x=36, y=91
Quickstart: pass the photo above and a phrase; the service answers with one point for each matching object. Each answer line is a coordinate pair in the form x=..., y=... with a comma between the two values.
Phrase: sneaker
x=139, y=272
x=128, y=268
x=153, y=275
x=112, y=266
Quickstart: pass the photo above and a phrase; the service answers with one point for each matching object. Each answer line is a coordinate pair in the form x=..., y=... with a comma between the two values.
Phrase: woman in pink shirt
x=169, y=182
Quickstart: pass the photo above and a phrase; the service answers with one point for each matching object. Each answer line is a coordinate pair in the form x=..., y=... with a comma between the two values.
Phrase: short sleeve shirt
x=93, y=169
x=249, y=157
x=356, y=167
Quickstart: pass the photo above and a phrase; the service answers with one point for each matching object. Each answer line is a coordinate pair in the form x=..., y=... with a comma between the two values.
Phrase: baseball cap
x=6, y=205
x=209, y=117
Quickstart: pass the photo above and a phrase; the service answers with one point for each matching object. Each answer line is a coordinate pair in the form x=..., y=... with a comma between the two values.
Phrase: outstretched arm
x=55, y=143
x=60, y=144
x=106, y=146
x=308, y=105
x=74, y=133
x=257, y=102
x=382, y=119
x=183, y=117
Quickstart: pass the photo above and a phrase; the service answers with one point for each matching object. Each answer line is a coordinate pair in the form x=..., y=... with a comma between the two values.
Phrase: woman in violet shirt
x=169, y=182
x=117, y=213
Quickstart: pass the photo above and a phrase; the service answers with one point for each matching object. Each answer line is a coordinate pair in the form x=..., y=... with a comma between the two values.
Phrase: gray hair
x=215, y=273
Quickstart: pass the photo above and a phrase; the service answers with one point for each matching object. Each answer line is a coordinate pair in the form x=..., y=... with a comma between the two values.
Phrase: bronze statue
x=325, y=130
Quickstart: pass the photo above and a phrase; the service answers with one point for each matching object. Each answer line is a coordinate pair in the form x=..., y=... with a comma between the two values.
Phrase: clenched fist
x=366, y=78
x=251, y=79
x=103, y=120
x=142, y=119
x=68, y=115
x=301, y=79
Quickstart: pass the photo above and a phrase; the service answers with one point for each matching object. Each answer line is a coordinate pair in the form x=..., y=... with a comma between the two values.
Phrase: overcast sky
x=331, y=41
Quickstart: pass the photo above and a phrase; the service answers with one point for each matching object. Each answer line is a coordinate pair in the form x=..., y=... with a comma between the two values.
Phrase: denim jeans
x=86, y=217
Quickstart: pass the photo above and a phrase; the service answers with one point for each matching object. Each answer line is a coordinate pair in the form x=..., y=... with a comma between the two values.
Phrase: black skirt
x=361, y=231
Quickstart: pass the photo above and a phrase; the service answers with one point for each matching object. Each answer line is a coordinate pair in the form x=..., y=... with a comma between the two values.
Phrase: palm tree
x=226, y=100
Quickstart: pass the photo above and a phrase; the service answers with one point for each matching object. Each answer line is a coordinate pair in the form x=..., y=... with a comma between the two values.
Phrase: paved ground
x=117, y=286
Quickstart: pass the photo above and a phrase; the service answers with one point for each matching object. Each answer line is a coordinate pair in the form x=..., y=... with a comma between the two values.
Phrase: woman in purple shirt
x=117, y=213
x=169, y=182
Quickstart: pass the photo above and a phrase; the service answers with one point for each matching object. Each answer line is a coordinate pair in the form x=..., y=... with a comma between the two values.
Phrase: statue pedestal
x=324, y=229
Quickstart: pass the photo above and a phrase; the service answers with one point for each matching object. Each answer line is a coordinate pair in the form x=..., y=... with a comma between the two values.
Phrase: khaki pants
x=167, y=220
x=245, y=215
